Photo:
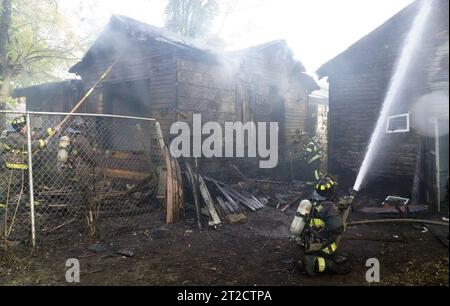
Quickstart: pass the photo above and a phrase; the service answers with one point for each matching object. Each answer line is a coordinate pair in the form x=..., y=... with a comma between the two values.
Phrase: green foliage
x=41, y=42
x=191, y=18
x=41, y=45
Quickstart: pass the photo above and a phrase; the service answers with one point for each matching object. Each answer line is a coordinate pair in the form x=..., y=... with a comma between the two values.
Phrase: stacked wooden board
x=219, y=199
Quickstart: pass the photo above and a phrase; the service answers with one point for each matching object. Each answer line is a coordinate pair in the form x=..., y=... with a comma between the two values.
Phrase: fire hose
x=423, y=221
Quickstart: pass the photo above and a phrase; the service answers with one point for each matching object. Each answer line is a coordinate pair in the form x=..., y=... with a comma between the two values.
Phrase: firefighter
x=312, y=156
x=14, y=158
x=317, y=228
x=308, y=164
x=76, y=156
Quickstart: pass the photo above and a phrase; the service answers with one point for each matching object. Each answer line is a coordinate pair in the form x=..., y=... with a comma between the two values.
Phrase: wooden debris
x=209, y=202
x=169, y=195
x=293, y=202
x=195, y=190
x=174, y=183
x=180, y=189
x=60, y=226
x=122, y=174
x=219, y=199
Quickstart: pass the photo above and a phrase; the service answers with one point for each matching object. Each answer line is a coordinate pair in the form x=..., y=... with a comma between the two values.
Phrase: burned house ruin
x=161, y=75
x=414, y=158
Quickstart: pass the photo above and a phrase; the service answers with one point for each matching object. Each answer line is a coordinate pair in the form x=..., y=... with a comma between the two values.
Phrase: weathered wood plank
x=209, y=203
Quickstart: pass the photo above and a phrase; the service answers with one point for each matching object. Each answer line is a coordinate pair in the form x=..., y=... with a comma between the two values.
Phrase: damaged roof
x=269, y=49
x=142, y=31
x=121, y=28
x=46, y=87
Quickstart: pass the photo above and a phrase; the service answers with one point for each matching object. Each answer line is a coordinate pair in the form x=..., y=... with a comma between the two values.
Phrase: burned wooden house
x=50, y=97
x=414, y=154
x=167, y=77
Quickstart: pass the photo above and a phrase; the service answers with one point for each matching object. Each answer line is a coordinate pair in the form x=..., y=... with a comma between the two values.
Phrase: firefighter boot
x=317, y=264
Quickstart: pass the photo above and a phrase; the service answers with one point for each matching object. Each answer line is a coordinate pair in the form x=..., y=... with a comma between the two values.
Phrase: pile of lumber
x=218, y=200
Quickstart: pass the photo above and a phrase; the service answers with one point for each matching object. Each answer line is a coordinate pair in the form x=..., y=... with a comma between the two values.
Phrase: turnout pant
x=323, y=261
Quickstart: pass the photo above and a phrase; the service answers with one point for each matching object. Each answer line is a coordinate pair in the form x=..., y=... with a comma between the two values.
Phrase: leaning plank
x=160, y=138
x=192, y=181
x=170, y=195
x=169, y=175
x=180, y=187
x=233, y=210
x=221, y=211
x=241, y=198
x=261, y=205
x=224, y=207
x=225, y=193
x=253, y=200
x=250, y=203
x=176, y=196
x=230, y=207
x=209, y=202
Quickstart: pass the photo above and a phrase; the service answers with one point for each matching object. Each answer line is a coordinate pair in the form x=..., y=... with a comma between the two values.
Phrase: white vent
x=398, y=124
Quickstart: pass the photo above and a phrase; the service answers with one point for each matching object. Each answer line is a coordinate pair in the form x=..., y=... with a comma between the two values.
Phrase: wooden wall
x=146, y=79
x=52, y=97
x=205, y=88
x=357, y=90
x=181, y=82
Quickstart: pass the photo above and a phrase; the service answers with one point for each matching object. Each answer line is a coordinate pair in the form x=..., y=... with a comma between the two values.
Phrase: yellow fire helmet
x=19, y=122
x=325, y=186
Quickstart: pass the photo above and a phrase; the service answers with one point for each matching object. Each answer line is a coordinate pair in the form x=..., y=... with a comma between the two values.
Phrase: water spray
x=401, y=71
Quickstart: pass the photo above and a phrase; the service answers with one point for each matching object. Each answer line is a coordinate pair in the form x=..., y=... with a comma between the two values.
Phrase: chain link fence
x=96, y=173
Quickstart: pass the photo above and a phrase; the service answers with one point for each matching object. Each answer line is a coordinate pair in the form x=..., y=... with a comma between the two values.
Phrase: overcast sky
x=316, y=30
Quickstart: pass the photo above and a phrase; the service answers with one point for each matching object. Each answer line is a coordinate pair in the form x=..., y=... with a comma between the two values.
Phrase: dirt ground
x=256, y=252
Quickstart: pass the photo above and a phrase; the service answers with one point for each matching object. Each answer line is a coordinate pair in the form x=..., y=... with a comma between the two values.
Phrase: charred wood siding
x=296, y=112
x=51, y=97
x=358, y=82
x=438, y=67
x=355, y=104
x=154, y=65
x=204, y=88
x=275, y=96
x=232, y=90
x=171, y=81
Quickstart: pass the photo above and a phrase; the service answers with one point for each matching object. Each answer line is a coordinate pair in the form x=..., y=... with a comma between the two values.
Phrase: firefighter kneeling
x=317, y=227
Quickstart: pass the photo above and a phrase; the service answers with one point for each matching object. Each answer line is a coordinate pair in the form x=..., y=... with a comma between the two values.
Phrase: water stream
x=404, y=62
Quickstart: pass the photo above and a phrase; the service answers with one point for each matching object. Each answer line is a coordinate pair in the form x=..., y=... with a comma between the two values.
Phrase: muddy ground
x=256, y=252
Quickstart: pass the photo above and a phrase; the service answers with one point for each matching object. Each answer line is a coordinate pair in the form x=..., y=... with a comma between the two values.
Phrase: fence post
x=30, y=178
